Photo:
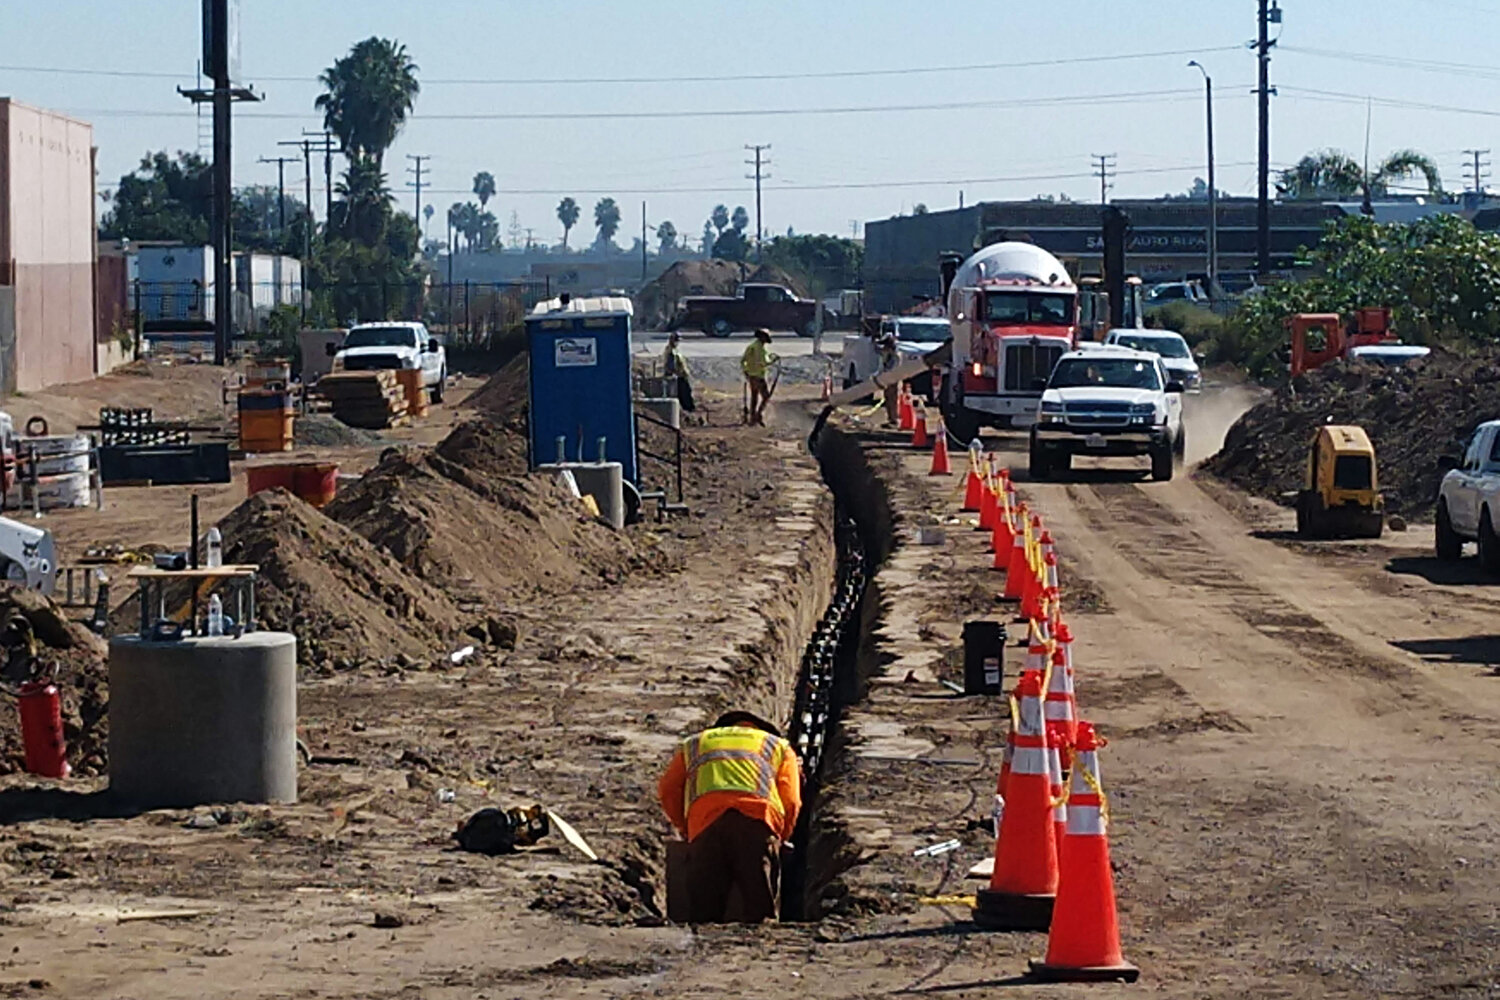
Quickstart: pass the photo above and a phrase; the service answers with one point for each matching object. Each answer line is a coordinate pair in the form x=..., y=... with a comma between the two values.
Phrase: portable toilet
x=581, y=382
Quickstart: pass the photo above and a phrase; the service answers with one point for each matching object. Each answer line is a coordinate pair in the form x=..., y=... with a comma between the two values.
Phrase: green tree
x=741, y=218
x=666, y=235
x=165, y=198
x=484, y=187
x=567, y=213
x=920, y=208
x=1331, y=174
x=731, y=245
x=819, y=263
x=707, y=243
x=719, y=218
x=607, y=218
x=363, y=210
x=367, y=97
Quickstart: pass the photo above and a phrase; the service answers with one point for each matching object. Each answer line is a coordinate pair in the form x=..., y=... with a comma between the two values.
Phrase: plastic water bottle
x=215, y=615
x=215, y=547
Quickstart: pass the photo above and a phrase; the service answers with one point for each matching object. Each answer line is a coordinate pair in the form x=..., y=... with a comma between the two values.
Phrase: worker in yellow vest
x=733, y=791
x=756, y=362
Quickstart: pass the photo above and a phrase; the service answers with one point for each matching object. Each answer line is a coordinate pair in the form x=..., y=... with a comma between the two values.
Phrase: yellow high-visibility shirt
x=756, y=360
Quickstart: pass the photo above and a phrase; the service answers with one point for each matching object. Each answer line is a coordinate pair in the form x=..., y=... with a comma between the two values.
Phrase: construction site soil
x=74, y=657
x=1414, y=415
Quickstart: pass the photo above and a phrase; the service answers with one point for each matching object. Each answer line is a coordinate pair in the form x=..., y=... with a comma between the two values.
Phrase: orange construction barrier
x=1083, y=944
x=919, y=425
x=905, y=415
x=1024, y=882
x=940, y=464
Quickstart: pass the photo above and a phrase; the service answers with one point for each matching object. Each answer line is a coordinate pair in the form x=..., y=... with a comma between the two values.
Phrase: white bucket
x=58, y=455
x=53, y=492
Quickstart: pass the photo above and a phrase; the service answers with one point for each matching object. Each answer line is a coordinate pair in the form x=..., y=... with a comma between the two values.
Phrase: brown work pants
x=734, y=871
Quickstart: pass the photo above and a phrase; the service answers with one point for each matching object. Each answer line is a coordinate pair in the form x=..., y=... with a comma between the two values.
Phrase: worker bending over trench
x=733, y=791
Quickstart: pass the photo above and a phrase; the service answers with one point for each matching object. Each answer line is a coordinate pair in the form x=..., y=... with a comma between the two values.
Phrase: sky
x=985, y=100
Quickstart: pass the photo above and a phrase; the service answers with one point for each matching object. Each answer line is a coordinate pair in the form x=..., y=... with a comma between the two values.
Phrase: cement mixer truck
x=1013, y=311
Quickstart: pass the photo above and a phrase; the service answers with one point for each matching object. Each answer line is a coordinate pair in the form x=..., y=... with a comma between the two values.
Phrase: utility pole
x=327, y=148
x=221, y=58
x=307, y=230
x=418, y=159
x=643, y=242
x=1269, y=14
x=759, y=163
x=1213, y=191
x=281, y=162
x=1104, y=165
x=1478, y=169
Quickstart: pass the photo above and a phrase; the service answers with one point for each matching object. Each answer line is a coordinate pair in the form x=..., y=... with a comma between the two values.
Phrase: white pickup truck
x=1468, y=505
x=379, y=346
x=1108, y=401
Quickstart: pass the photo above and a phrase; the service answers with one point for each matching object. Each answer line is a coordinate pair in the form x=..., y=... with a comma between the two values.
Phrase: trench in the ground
x=836, y=666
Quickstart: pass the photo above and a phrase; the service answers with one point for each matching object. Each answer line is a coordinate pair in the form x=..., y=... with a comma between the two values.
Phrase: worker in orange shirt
x=733, y=791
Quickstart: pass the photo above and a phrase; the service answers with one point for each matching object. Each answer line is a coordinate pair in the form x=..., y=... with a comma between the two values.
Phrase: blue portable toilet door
x=581, y=389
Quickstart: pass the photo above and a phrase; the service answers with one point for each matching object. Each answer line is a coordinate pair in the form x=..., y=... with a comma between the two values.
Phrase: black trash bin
x=984, y=657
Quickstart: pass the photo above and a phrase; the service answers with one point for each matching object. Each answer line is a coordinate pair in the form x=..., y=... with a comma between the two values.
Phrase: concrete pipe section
x=203, y=720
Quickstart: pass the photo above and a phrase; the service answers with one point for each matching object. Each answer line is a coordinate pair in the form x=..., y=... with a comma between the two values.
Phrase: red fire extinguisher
x=42, y=729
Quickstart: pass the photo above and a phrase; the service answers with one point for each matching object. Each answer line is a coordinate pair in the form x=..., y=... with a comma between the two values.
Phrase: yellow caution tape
x=948, y=901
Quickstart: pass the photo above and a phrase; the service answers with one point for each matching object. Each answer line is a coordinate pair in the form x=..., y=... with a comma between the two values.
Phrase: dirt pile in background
x=504, y=396
x=453, y=518
x=77, y=660
x=347, y=602
x=1414, y=415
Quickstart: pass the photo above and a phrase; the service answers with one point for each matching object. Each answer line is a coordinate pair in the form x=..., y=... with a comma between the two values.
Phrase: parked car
x=378, y=346
x=1468, y=505
x=774, y=307
x=1108, y=401
x=1176, y=291
x=1168, y=345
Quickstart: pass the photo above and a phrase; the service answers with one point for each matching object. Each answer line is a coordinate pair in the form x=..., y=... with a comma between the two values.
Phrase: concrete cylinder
x=203, y=720
x=604, y=481
x=668, y=411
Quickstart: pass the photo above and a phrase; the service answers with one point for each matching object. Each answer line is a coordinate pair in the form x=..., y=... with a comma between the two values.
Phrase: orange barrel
x=416, y=396
x=315, y=482
x=266, y=418
x=259, y=478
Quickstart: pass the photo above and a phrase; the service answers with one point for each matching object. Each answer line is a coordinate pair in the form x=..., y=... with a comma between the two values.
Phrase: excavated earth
x=1414, y=415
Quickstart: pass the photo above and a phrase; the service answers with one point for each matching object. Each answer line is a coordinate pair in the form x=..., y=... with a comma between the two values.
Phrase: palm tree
x=667, y=234
x=368, y=94
x=567, y=214
x=740, y=219
x=720, y=219
x=1331, y=174
x=484, y=187
x=364, y=204
x=455, y=216
x=607, y=218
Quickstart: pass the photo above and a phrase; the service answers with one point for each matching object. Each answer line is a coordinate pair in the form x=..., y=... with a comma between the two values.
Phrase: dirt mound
x=1414, y=416
x=453, y=520
x=505, y=394
x=322, y=431
x=347, y=602
x=77, y=659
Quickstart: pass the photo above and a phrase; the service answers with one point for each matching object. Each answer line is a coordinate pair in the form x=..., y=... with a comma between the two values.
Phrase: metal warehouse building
x=1168, y=239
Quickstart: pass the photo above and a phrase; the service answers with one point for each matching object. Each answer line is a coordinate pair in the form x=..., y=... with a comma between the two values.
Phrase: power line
x=1342, y=97
x=852, y=186
x=1104, y=164
x=1399, y=62
x=281, y=162
x=1124, y=97
x=713, y=78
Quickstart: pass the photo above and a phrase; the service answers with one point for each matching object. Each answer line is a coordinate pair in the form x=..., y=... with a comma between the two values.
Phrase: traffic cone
x=975, y=488
x=1015, y=570
x=988, y=509
x=1024, y=882
x=1061, y=705
x=918, y=424
x=1031, y=595
x=1059, y=750
x=940, y=464
x=1083, y=944
x=905, y=415
x=1000, y=537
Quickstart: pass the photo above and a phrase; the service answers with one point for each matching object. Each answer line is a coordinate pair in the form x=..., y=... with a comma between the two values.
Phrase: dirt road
x=1300, y=769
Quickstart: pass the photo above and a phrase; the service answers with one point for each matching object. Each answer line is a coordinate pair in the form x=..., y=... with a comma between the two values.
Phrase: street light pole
x=1213, y=190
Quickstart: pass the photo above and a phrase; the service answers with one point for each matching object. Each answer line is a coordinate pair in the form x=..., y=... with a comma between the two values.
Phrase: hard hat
x=740, y=717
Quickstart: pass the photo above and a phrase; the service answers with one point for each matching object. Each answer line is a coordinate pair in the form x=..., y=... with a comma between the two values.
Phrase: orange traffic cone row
x=1059, y=751
x=918, y=424
x=905, y=415
x=975, y=488
x=940, y=464
x=1024, y=883
x=1061, y=706
x=1083, y=944
x=1032, y=608
x=1015, y=568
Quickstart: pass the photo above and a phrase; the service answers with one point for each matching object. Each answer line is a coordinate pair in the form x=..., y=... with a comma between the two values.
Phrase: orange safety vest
x=733, y=759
